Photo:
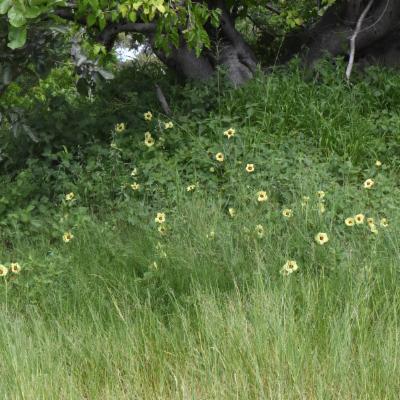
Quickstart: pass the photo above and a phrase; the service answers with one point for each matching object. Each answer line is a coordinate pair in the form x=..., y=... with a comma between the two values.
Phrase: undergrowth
x=244, y=247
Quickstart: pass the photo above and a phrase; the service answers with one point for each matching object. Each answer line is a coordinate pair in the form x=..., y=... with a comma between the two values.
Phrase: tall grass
x=203, y=311
x=306, y=339
x=215, y=319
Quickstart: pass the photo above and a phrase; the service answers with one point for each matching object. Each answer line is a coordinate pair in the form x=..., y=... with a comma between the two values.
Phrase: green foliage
x=326, y=128
x=18, y=14
x=201, y=308
x=59, y=116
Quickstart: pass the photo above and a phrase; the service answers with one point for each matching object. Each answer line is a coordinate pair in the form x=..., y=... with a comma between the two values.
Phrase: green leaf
x=102, y=22
x=91, y=20
x=97, y=48
x=137, y=5
x=215, y=18
x=94, y=4
x=33, y=12
x=299, y=21
x=174, y=36
x=16, y=37
x=132, y=16
x=123, y=9
x=15, y=17
x=114, y=15
x=161, y=8
x=5, y=6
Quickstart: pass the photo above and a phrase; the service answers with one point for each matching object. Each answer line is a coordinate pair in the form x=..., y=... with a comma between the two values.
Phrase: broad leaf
x=16, y=37
x=16, y=17
x=91, y=20
x=5, y=6
x=33, y=12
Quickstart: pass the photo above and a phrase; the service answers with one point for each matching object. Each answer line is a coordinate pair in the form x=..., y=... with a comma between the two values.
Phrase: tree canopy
x=194, y=37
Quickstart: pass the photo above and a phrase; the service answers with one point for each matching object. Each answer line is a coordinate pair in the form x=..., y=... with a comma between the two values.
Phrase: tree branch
x=353, y=39
x=110, y=32
x=163, y=101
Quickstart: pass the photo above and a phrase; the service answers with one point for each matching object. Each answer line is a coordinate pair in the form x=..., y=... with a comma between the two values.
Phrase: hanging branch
x=353, y=39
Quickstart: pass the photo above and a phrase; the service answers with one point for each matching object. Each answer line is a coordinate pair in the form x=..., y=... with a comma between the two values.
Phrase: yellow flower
x=378, y=163
x=67, y=237
x=321, y=208
x=262, y=196
x=219, y=157
x=168, y=125
x=3, y=270
x=147, y=135
x=259, y=231
x=190, y=188
x=287, y=212
x=134, y=172
x=69, y=196
x=149, y=142
x=349, y=221
x=250, y=168
x=229, y=133
x=289, y=267
x=119, y=128
x=148, y=116
x=162, y=229
x=370, y=221
x=212, y=169
x=373, y=228
x=160, y=218
x=359, y=218
x=368, y=184
x=232, y=212
x=135, y=186
x=15, y=268
x=320, y=194
x=321, y=238
x=384, y=223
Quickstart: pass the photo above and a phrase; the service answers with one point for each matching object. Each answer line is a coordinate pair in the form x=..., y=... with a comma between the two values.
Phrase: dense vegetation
x=155, y=265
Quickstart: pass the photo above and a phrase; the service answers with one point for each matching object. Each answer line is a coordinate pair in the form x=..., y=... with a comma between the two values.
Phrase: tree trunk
x=378, y=39
x=184, y=63
x=228, y=50
x=235, y=54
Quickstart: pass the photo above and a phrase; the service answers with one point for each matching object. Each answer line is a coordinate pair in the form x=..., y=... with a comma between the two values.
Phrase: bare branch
x=163, y=101
x=354, y=37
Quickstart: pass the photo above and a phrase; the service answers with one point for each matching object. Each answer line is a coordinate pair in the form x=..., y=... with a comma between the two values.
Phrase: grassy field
x=207, y=309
